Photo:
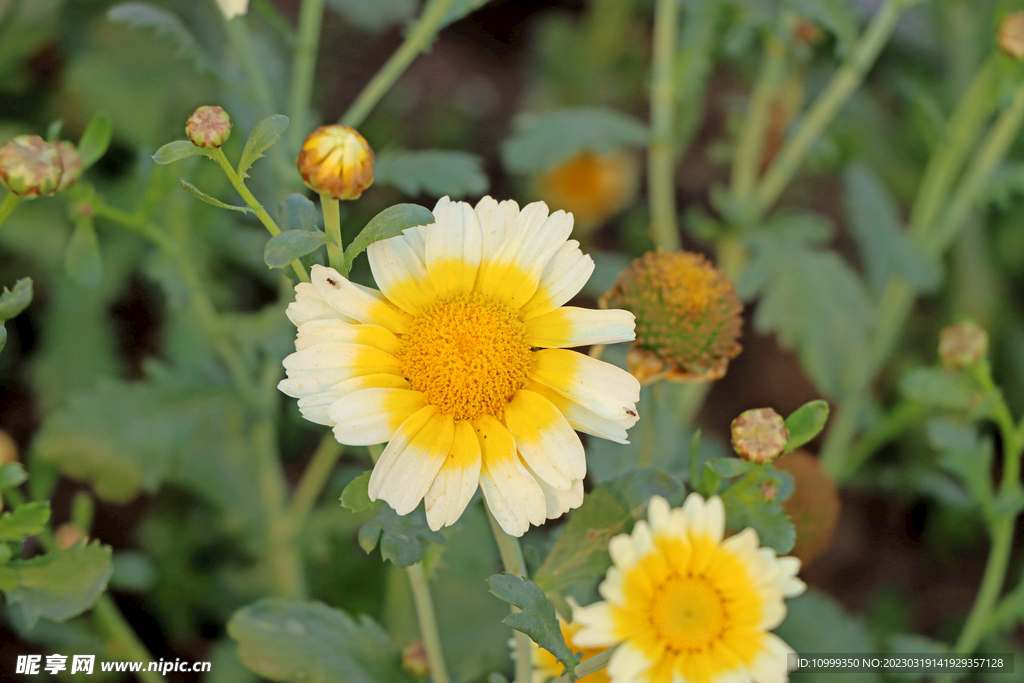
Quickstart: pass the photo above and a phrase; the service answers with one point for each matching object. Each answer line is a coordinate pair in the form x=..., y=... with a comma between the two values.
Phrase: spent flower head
x=72, y=162
x=208, y=127
x=962, y=345
x=1011, y=35
x=759, y=435
x=30, y=166
x=337, y=161
x=687, y=316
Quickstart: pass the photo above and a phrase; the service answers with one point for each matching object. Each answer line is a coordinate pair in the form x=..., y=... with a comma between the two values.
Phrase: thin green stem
x=428, y=622
x=332, y=225
x=280, y=555
x=661, y=185
x=313, y=480
x=8, y=205
x=418, y=40
x=121, y=641
x=749, y=151
x=241, y=43
x=512, y=559
x=254, y=204
x=843, y=83
x=892, y=425
x=311, y=16
x=595, y=663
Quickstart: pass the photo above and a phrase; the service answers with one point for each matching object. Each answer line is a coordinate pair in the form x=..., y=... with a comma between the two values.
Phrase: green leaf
x=581, y=551
x=965, y=455
x=59, y=585
x=729, y=467
x=745, y=506
x=298, y=213
x=356, y=497
x=199, y=194
x=374, y=16
x=12, y=475
x=3, y=336
x=264, y=136
x=912, y=644
x=133, y=571
x=939, y=388
x=289, y=245
x=874, y=220
x=82, y=257
x=835, y=16
x=433, y=172
x=95, y=140
x=26, y=520
x=805, y=423
x=542, y=141
x=388, y=223
x=293, y=640
x=168, y=26
x=537, y=618
x=14, y=301
x=402, y=538
x=177, y=150
x=53, y=131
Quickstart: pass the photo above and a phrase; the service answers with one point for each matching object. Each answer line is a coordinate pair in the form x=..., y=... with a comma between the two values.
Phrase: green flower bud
x=962, y=345
x=759, y=435
x=30, y=166
x=208, y=127
x=337, y=161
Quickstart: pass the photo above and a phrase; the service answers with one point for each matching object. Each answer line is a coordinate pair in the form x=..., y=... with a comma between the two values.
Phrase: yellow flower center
x=468, y=355
x=688, y=613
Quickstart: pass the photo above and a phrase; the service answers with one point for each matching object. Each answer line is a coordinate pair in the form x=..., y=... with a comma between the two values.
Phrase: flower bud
x=337, y=161
x=759, y=435
x=72, y=163
x=1011, y=35
x=68, y=534
x=962, y=345
x=8, y=449
x=768, y=491
x=592, y=187
x=30, y=166
x=814, y=506
x=209, y=127
x=687, y=317
x=414, y=659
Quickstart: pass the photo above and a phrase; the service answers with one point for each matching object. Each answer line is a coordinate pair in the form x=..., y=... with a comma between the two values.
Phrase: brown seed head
x=962, y=345
x=687, y=317
x=1011, y=35
x=72, y=163
x=813, y=507
x=759, y=435
x=336, y=160
x=208, y=127
x=30, y=166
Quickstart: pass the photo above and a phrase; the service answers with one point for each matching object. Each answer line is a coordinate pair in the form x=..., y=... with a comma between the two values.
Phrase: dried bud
x=414, y=659
x=30, y=166
x=768, y=490
x=8, y=449
x=336, y=160
x=209, y=127
x=592, y=187
x=813, y=507
x=1011, y=35
x=759, y=435
x=962, y=345
x=68, y=534
x=687, y=317
x=72, y=164
x=807, y=32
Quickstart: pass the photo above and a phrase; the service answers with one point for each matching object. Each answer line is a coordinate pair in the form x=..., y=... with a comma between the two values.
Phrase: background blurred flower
x=592, y=187
x=233, y=8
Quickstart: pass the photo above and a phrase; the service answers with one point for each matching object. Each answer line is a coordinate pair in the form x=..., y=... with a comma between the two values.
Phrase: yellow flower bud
x=208, y=127
x=1011, y=35
x=72, y=164
x=687, y=317
x=759, y=435
x=814, y=506
x=962, y=345
x=336, y=160
x=592, y=187
x=30, y=166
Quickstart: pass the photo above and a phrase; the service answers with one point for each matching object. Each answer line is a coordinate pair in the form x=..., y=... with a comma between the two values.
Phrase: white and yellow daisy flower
x=460, y=362
x=686, y=606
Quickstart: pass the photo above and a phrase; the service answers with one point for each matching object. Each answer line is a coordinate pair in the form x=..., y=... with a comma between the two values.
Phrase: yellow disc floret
x=687, y=612
x=468, y=355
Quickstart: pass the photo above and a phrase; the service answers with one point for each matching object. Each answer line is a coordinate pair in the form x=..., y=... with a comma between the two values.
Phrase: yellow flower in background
x=592, y=187
x=460, y=363
x=546, y=667
x=685, y=605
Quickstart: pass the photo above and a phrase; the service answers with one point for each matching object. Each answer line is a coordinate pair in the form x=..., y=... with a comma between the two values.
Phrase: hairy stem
x=428, y=622
x=661, y=186
x=512, y=558
x=311, y=16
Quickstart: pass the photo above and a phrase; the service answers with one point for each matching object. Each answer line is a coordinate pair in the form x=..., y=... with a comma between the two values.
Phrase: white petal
x=372, y=416
x=315, y=407
x=562, y=279
x=355, y=301
x=456, y=481
x=771, y=665
x=496, y=223
x=569, y=326
x=583, y=419
x=556, y=502
x=622, y=551
x=601, y=387
x=513, y=496
x=334, y=330
x=627, y=663
x=410, y=461
x=309, y=305
x=598, y=626
x=453, y=248
x=658, y=514
x=401, y=275
x=546, y=441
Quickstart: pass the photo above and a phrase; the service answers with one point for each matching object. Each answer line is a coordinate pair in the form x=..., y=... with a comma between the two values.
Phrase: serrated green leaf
x=167, y=25
x=59, y=585
x=292, y=640
x=745, y=506
x=536, y=619
x=14, y=301
x=388, y=223
x=377, y=15
x=96, y=139
x=264, y=136
x=12, y=475
x=177, y=150
x=82, y=257
x=356, y=496
x=805, y=423
x=965, y=455
x=289, y=245
x=542, y=141
x=402, y=538
x=26, y=520
x=939, y=388
x=298, y=213
x=433, y=172
x=199, y=194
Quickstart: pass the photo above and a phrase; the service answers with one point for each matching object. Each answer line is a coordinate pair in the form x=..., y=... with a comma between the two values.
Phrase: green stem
x=891, y=426
x=314, y=478
x=121, y=640
x=7, y=207
x=661, y=186
x=418, y=40
x=280, y=555
x=749, y=150
x=332, y=225
x=251, y=201
x=512, y=558
x=595, y=663
x=241, y=43
x=428, y=622
x=843, y=83
x=303, y=70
